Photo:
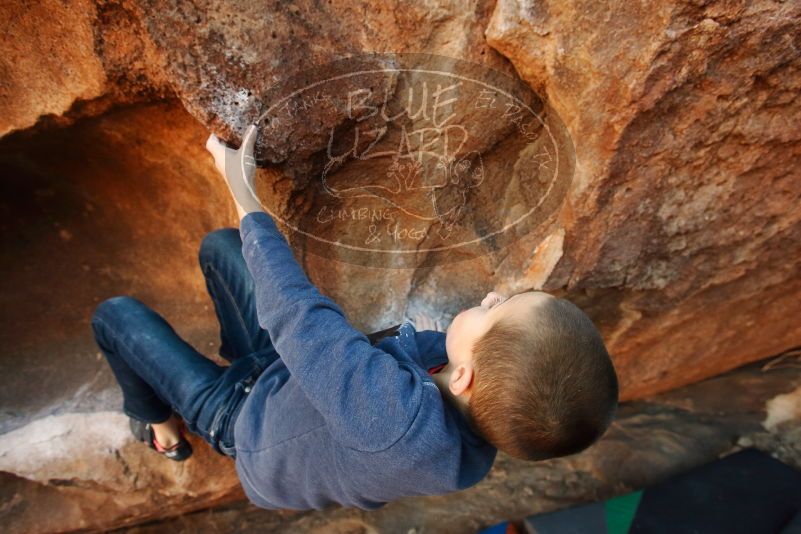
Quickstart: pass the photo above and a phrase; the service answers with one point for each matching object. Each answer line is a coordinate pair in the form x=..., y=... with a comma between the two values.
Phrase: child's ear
x=461, y=378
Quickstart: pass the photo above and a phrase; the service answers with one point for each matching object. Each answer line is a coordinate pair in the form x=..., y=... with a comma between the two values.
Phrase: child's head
x=533, y=373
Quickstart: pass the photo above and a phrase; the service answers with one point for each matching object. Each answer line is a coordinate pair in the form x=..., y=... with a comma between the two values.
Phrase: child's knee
x=220, y=241
x=113, y=307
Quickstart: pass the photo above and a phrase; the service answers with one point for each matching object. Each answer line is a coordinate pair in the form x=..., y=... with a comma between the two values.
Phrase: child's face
x=469, y=325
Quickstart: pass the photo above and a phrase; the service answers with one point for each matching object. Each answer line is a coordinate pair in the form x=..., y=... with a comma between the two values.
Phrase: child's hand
x=424, y=322
x=238, y=167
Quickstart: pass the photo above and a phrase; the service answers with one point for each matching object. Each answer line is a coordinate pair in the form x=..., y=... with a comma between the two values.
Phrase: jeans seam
x=215, y=422
x=231, y=298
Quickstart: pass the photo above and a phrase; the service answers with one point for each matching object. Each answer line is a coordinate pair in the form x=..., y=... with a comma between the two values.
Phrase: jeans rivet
x=247, y=389
x=211, y=433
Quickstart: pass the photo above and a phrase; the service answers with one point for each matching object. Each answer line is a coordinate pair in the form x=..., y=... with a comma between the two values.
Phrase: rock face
x=676, y=228
x=35, y=82
x=106, y=207
x=678, y=232
x=63, y=60
x=681, y=230
x=89, y=472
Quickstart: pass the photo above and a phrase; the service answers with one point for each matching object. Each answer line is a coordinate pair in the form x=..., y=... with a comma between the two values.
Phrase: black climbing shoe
x=144, y=433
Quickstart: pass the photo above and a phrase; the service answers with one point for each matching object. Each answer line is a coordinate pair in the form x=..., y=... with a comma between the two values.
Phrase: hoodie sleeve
x=367, y=397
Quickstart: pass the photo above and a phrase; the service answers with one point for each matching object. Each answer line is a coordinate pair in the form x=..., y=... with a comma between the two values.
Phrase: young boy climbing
x=315, y=412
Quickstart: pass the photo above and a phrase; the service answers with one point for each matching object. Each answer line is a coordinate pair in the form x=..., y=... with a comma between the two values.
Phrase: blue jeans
x=159, y=372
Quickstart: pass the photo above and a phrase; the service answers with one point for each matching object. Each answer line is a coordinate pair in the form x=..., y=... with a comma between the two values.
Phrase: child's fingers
x=218, y=151
x=213, y=145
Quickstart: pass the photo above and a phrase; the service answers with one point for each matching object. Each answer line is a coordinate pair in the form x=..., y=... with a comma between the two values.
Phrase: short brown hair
x=544, y=385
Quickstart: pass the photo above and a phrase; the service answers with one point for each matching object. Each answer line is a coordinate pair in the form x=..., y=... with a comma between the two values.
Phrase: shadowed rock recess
x=659, y=145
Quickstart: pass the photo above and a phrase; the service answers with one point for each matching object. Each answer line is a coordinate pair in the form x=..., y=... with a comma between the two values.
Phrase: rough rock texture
x=674, y=218
x=64, y=60
x=89, y=472
x=679, y=232
x=111, y=205
x=681, y=229
x=48, y=60
x=682, y=116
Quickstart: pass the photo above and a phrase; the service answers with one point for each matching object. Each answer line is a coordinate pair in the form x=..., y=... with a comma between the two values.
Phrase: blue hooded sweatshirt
x=336, y=419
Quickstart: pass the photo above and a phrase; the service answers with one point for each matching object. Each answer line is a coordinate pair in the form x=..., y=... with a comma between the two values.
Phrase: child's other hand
x=238, y=167
x=424, y=322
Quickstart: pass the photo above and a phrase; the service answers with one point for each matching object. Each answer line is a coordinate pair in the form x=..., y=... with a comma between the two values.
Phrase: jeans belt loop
x=248, y=382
